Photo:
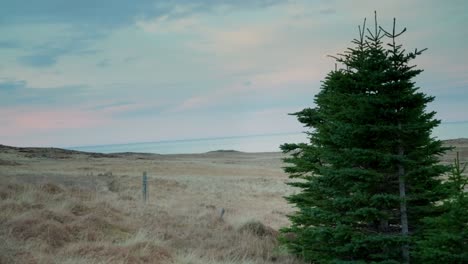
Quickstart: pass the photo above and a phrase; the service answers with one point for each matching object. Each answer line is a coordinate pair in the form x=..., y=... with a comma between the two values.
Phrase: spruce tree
x=369, y=174
x=445, y=237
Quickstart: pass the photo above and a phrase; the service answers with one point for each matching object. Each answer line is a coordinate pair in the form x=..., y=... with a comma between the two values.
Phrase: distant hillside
x=224, y=151
x=460, y=144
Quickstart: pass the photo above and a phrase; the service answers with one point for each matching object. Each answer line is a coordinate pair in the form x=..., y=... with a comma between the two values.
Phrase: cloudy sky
x=115, y=71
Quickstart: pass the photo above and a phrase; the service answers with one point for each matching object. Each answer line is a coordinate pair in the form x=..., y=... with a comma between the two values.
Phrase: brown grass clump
x=45, y=225
x=50, y=223
x=258, y=229
x=94, y=228
x=42, y=220
x=11, y=208
x=90, y=219
x=51, y=188
x=137, y=253
x=208, y=239
x=8, y=190
x=20, y=257
x=79, y=209
x=8, y=163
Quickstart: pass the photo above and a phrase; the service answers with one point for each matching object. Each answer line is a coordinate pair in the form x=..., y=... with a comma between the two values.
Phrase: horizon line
x=186, y=139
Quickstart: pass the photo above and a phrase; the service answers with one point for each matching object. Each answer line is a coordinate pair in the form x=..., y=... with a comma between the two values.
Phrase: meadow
x=62, y=206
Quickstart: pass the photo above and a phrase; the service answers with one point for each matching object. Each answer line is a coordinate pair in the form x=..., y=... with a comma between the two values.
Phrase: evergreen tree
x=369, y=174
x=446, y=237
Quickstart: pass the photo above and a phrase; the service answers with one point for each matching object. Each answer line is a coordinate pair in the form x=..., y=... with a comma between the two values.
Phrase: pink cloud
x=20, y=121
x=299, y=79
x=115, y=109
x=240, y=39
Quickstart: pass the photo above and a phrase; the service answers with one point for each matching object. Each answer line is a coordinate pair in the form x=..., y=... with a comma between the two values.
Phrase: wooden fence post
x=145, y=187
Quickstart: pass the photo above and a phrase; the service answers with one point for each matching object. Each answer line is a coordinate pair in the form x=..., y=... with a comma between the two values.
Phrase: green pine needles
x=445, y=238
x=370, y=175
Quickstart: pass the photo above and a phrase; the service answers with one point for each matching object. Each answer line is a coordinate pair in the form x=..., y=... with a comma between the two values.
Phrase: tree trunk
x=403, y=212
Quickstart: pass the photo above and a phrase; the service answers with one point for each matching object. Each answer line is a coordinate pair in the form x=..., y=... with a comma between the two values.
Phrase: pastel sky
x=115, y=71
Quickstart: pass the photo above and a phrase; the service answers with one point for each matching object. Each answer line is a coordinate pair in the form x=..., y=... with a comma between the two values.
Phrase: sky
x=114, y=71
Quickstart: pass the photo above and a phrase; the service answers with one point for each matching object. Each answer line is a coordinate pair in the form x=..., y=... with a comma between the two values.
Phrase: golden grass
x=78, y=208
x=50, y=223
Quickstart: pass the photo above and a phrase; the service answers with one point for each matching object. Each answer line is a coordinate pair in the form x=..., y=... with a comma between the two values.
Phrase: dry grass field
x=61, y=206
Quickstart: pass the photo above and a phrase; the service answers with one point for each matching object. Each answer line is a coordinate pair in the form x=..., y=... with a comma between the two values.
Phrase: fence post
x=145, y=187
